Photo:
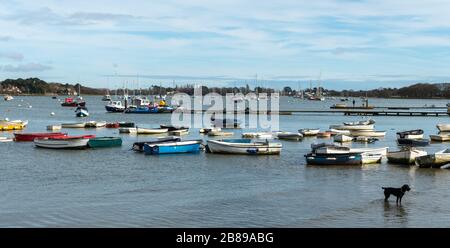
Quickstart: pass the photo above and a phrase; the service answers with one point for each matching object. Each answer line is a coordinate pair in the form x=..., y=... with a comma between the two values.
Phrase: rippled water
x=119, y=188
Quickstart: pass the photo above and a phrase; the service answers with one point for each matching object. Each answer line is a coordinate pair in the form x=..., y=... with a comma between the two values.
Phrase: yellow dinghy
x=7, y=126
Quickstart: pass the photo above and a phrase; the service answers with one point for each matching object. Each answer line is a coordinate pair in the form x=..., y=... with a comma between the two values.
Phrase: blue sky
x=347, y=44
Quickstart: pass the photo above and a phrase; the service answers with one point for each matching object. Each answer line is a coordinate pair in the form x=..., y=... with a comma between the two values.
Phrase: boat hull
x=436, y=160
x=31, y=136
x=101, y=142
x=413, y=142
x=248, y=147
x=172, y=147
x=334, y=159
x=74, y=143
x=405, y=156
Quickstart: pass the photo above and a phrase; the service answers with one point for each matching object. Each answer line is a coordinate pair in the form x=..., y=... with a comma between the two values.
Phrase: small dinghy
x=100, y=142
x=436, y=160
x=440, y=137
x=219, y=133
x=188, y=146
x=67, y=142
x=309, y=131
x=207, y=130
x=352, y=127
x=54, y=127
x=257, y=135
x=179, y=132
x=413, y=142
x=139, y=146
x=126, y=124
x=243, y=146
x=5, y=139
x=443, y=127
x=406, y=155
x=338, y=131
x=365, y=139
x=334, y=159
x=128, y=130
x=173, y=128
x=326, y=134
x=74, y=125
x=95, y=124
x=411, y=134
x=31, y=136
x=368, y=133
x=371, y=158
x=290, y=136
x=140, y=130
x=341, y=138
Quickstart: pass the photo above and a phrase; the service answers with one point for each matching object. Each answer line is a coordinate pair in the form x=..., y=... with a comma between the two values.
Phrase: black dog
x=398, y=192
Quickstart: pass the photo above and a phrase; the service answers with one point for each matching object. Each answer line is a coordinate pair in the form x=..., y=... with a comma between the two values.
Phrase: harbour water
x=116, y=187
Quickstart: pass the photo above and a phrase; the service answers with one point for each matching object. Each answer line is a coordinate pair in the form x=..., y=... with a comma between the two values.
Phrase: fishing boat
x=115, y=107
x=8, y=98
x=257, y=135
x=219, y=133
x=70, y=102
x=67, y=142
x=131, y=130
x=99, y=142
x=243, y=146
x=32, y=136
x=54, y=127
x=436, y=160
x=334, y=159
x=405, y=156
x=188, y=146
x=81, y=112
x=440, y=137
x=74, y=125
x=5, y=139
x=411, y=134
x=413, y=142
x=289, y=136
x=342, y=138
x=139, y=146
x=368, y=133
x=112, y=125
x=443, y=127
x=309, y=131
x=140, y=130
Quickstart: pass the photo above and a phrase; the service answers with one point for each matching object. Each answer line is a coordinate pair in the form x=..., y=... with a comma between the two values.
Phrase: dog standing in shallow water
x=398, y=192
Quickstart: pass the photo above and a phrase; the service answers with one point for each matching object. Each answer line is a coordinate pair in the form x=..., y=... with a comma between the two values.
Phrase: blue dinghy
x=190, y=146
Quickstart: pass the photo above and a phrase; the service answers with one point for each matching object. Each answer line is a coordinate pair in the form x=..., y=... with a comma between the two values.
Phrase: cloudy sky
x=345, y=44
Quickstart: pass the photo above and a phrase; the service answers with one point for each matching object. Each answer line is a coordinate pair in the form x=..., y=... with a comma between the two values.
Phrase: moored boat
x=112, y=125
x=405, y=156
x=411, y=134
x=115, y=107
x=309, y=131
x=99, y=142
x=342, y=138
x=352, y=127
x=243, y=146
x=172, y=127
x=219, y=133
x=81, y=112
x=188, y=146
x=334, y=159
x=443, y=127
x=74, y=125
x=140, y=130
x=368, y=133
x=53, y=127
x=5, y=139
x=67, y=142
x=289, y=136
x=139, y=146
x=179, y=132
x=365, y=139
x=339, y=131
x=371, y=158
x=8, y=126
x=126, y=124
x=436, y=160
x=128, y=130
x=257, y=135
x=32, y=136
x=413, y=142
x=440, y=137
x=325, y=134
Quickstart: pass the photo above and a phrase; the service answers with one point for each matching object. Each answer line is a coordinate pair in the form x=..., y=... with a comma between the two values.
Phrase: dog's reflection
x=394, y=213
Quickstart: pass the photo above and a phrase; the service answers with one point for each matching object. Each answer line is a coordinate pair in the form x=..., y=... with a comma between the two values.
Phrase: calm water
x=119, y=188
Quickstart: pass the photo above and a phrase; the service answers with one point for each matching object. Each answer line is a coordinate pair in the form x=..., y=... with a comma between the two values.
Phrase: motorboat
x=115, y=107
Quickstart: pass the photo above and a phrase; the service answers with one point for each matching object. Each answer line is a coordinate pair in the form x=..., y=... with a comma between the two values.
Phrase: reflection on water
x=119, y=188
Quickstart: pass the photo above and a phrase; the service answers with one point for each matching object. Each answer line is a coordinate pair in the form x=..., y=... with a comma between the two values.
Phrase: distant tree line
x=39, y=87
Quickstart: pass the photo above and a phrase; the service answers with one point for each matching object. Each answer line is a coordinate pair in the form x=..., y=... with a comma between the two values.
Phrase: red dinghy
x=88, y=136
x=32, y=136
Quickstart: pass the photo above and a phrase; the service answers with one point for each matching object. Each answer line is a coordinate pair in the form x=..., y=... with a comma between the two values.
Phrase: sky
x=343, y=44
